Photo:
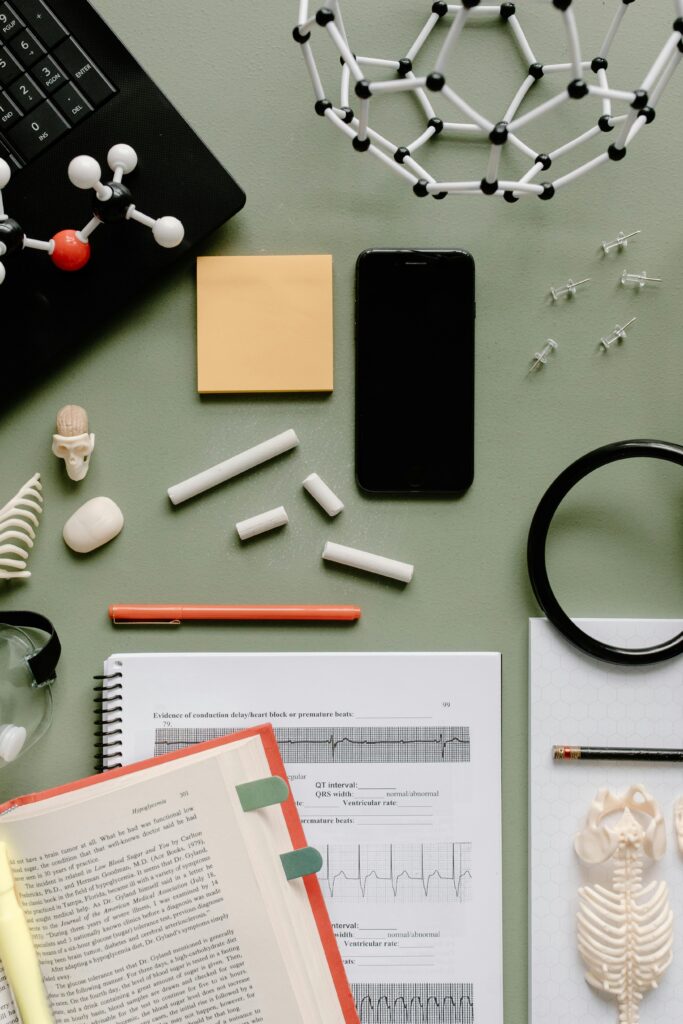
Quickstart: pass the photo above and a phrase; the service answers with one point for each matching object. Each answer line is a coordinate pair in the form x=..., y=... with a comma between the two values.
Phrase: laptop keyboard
x=48, y=84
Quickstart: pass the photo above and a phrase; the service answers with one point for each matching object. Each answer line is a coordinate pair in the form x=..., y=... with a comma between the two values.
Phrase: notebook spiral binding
x=108, y=710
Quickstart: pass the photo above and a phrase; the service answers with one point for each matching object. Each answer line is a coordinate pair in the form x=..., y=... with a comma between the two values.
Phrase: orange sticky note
x=264, y=323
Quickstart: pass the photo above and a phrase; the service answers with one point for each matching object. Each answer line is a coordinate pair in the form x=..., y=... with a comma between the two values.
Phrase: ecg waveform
x=398, y=872
x=360, y=745
x=428, y=1003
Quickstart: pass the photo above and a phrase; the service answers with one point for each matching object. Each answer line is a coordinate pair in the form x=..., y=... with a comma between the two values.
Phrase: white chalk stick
x=233, y=467
x=262, y=523
x=402, y=571
x=323, y=494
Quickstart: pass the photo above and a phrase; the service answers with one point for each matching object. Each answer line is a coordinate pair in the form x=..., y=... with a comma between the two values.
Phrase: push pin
x=541, y=358
x=639, y=280
x=569, y=289
x=618, y=334
x=620, y=242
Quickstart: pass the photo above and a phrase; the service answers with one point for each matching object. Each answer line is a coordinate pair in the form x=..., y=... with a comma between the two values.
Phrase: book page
x=146, y=906
x=394, y=761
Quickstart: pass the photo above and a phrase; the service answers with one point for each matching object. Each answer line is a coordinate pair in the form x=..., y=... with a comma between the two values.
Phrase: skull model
x=72, y=442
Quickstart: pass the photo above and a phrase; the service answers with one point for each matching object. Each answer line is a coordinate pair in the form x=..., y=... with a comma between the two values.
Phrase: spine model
x=625, y=934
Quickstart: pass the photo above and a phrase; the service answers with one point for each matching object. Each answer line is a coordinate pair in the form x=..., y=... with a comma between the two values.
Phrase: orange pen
x=175, y=614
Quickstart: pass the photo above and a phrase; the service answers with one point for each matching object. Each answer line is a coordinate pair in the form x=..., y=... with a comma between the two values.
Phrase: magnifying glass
x=29, y=652
x=537, y=542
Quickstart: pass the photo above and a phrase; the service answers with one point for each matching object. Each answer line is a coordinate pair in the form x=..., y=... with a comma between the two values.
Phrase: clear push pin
x=639, y=280
x=541, y=358
x=620, y=242
x=617, y=335
x=568, y=289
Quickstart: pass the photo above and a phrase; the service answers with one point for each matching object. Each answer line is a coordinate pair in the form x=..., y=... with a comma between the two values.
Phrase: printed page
x=394, y=761
x=146, y=907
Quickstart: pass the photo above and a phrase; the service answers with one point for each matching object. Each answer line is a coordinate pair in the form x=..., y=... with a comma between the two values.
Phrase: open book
x=153, y=895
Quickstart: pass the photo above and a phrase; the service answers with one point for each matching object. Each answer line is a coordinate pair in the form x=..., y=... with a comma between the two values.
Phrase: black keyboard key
x=9, y=23
x=9, y=67
x=35, y=133
x=79, y=66
x=49, y=75
x=26, y=48
x=42, y=21
x=9, y=156
x=25, y=93
x=72, y=104
x=9, y=114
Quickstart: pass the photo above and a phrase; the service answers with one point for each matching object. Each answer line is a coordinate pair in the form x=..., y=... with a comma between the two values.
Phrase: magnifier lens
x=25, y=710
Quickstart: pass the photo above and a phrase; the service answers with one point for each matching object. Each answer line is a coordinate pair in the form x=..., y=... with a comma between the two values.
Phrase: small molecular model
x=69, y=249
x=626, y=110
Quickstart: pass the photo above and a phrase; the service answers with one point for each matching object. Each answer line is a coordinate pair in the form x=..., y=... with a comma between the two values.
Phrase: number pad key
x=9, y=23
x=26, y=48
x=37, y=132
x=74, y=106
x=25, y=93
x=9, y=115
x=49, y=75
x=41, y=20
x=9, y=67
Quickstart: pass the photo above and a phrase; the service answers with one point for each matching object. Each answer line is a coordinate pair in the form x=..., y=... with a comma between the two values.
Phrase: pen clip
x=145, y=622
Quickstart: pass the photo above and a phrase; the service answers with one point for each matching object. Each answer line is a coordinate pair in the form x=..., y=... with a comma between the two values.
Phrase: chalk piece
x=261, y=523
x=365, y=560
x=323, y=494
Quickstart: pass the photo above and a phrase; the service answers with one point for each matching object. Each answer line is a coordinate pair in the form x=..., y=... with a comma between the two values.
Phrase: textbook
x=177, y=890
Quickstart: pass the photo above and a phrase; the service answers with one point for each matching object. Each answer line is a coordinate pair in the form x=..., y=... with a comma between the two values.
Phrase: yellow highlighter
x=17, y=954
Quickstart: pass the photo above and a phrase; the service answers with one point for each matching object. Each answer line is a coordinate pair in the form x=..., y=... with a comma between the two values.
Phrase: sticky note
x=264, y=323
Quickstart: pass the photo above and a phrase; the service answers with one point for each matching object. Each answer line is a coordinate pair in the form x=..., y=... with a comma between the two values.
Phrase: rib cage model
x=448, y=115
x=17, y=521
x=625, y=934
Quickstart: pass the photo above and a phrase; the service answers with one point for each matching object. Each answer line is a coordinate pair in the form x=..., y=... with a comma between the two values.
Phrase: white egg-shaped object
x=92, y=525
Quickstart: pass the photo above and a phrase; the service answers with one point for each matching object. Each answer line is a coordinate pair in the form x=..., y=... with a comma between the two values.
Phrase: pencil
x=615, y=754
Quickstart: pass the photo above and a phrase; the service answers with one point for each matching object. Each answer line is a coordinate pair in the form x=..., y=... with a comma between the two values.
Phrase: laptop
x=69, y=87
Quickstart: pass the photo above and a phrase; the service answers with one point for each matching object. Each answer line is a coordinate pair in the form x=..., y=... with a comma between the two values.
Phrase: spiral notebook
x=178, y=889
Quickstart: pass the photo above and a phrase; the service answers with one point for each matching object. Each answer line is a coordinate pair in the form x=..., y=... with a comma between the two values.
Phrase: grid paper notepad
x=264, y=324
x=576, y=700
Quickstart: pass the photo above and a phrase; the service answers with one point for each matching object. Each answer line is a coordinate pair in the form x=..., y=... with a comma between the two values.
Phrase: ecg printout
x=394, y=761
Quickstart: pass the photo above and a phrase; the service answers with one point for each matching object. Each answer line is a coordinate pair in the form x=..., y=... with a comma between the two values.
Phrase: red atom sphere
x=70, y=251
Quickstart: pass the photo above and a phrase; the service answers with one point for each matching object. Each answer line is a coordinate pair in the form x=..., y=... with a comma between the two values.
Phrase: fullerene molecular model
x=634, y=108
x=70, y=250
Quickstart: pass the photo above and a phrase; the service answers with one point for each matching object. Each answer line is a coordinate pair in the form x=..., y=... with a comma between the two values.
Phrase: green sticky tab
x=262, y=793
x=301, y=862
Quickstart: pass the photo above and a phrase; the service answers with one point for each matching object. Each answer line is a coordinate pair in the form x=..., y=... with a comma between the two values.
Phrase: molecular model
x=634, y=108
x=70, y=250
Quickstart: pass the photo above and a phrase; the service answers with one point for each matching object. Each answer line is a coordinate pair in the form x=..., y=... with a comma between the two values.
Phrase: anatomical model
x=625, y=934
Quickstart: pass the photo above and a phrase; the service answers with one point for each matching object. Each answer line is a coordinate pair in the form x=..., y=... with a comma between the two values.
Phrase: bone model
x=18, y=519
x=625, y=934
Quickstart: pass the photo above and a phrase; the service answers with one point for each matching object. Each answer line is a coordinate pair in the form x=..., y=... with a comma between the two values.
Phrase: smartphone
x=415, y=312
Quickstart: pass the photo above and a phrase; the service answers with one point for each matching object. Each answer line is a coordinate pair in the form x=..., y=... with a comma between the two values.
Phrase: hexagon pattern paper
x=576, y=700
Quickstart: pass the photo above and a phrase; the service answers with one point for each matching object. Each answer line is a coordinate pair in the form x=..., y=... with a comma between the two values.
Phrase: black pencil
x=615, y=754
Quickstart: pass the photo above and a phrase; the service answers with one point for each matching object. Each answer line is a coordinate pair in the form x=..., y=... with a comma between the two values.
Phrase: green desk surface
x=234, y=72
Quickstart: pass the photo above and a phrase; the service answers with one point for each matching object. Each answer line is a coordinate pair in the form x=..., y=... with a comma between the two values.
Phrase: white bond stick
x=612, y=94
x=515, y=141
x=578, y=172
x=463, y=129
x=550, y=68
x=604, y=84
x=568, y=146
x=400, y=85
x=623, y=135
x=363, y=117
x=420, y=41
x=379, y=140
x=233, y=467
x=323, y=494
x=395, y=167
x=573, y=37
x=416, y=168
x=379, y=62
x=518, y=97
x=344, y=50
x=451, y=39
x=661, y=61
x=303, y=11
x=522, y=42
x=493, y=164
x=344, y=89
x=271, y=520
x=665, y=77
x=612, y=30
x=427, y=134
x=368, y=562
x=340, y=124
x=314, y=75
x=538, y=111
x=423, y=99
x=460, y=103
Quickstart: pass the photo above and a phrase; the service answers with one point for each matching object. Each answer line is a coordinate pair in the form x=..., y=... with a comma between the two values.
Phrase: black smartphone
x=415, y=311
